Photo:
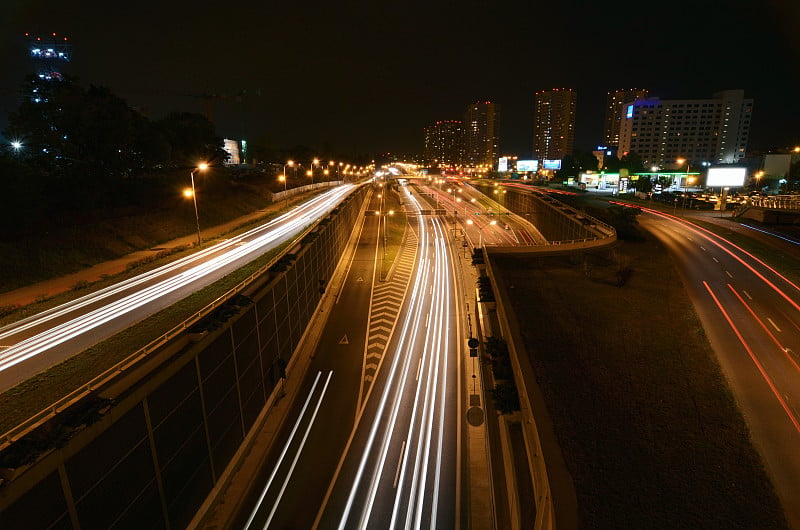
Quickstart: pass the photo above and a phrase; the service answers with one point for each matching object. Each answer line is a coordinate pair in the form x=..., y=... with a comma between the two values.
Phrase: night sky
x=368, y=76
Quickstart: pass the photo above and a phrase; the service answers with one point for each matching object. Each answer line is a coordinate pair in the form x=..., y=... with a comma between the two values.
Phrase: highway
x=484, y=221
x=751, y=314
x=43, y=340
x=391, y=459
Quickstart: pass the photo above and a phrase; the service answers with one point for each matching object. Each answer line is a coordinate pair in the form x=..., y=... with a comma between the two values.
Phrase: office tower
x=711, y=131
x=480, y=134
x=444, y=143
x=554, y=124
x=615, y=104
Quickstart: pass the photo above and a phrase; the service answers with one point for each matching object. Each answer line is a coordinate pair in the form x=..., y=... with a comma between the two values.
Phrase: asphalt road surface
x=751, y=314
x=390, y=460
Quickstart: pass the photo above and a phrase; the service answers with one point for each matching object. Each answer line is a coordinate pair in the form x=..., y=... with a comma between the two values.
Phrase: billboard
x=502, y=164
x=551, y=164
x=629, y=111
x=527, y=165
x=726, y=176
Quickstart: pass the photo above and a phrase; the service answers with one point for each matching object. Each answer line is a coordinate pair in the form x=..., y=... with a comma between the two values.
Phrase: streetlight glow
x=200, y=167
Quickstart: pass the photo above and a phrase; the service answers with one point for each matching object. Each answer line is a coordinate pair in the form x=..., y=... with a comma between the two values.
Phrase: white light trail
x=421, y=452
x=263, y=238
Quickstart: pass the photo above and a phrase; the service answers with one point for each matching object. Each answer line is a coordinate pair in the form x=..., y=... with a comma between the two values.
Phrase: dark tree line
x=91, y=135
x=70, y=148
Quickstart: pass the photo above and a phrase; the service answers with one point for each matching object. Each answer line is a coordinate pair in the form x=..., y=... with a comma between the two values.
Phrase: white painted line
x=702, y=248
x=773, y=325
x=729, y=274
x=283, y=452
x=747, y=295
x=419, y=368
x=715, y=259
x=399, y=462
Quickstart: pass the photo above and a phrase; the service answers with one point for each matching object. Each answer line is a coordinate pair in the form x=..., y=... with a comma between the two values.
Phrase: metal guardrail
x=775, y=202
x=51, y=410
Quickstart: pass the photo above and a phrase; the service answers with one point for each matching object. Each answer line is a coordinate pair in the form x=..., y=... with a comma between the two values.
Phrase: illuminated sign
x=551, y=164
x=726, y=176
x=527, y=165
x=629, y=112
x=502, y=164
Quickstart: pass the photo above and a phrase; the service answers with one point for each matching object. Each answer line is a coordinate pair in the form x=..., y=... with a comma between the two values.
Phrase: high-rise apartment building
x=554, y=124
x=481, y=134
x=699, y=130
x=615, y=103
x=444, y=143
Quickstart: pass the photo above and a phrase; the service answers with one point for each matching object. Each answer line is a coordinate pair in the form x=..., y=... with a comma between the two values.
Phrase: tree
x=612, y=164
x=588, y=162
x=632, y=162
x=192, y=138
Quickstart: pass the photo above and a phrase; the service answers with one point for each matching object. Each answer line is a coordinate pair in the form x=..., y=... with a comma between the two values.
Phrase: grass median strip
x=648, y=426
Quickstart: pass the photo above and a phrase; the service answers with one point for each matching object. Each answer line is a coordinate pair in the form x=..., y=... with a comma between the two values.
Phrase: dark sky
x=368, y=76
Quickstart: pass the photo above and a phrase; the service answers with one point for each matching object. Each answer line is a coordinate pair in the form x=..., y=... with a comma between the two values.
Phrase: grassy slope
x=647, y=423
x=39, y=248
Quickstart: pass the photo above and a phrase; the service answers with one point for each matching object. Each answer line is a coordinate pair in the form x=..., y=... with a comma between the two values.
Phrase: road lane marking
x=787, y=409
x=774, y=325
x=729, y=274
x=703, y=248
x=419, y=368
x=747, y=295
x=285, y=449
x=299, y=450
x=400, y=461
x=715, y=259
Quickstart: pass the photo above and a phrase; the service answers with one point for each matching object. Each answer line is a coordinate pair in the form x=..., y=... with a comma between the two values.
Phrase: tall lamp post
x=200, y=167
x=681, y=161
x=282, y=178
x=480, y=230
x=289, y=163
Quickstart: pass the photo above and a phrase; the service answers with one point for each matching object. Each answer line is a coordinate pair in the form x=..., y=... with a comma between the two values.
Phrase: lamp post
x=480, y=230
x=758, y=176
x=201, y=167
x=282, y=178
x=289, y=163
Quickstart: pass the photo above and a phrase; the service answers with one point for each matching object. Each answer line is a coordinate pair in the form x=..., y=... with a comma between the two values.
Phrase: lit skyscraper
x=711, y=130
x=554, y=124
x=444, y=143
x=615, y=104
x=480, y=134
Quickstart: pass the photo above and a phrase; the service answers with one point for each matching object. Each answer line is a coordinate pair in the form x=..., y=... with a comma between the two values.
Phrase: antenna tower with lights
x=49, y=53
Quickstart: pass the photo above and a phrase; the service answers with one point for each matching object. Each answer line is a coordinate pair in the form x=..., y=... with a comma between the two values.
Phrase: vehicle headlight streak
x=281, y=227
x=425, y=446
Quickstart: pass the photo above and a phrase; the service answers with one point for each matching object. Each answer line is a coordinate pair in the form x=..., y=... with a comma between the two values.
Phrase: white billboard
x=502, y=164
x=527, y=165
x=726, y=176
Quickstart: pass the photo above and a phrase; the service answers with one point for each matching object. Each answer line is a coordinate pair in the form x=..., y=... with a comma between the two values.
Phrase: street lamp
x=282, y=178
x=310, y=173
x=201, y=167
x=480, y=230
x=758, y=179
